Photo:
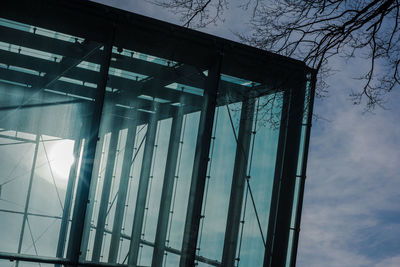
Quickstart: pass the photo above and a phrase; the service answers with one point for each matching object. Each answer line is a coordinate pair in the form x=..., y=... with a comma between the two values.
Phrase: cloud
x=351, y=215
x=389, y=262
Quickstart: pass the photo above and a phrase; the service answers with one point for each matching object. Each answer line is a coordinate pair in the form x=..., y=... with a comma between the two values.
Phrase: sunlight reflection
x=61, y=158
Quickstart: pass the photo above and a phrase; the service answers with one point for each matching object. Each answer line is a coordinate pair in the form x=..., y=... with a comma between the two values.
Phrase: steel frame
x=168, y=186
x=144, y=179
x=213, y=54
x=238, y=182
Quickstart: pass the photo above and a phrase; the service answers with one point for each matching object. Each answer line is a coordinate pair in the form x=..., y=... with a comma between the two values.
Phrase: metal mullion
x=238, y=182
x=17, y=138
x=105, y=193
x=82, y=191
x=143, y=186
x=171, y=250
x=123, y=189
x=16, y=143
x=277, y=175
x=285, y=176
x=39, y=105
x=310, y=104
x=24, y=61
x=68, y=200
x=37, y=42
x=31, y=214
x=196, y=193
x=31, y=258
x=168, y=186
x=92, y=193
x=28, y=196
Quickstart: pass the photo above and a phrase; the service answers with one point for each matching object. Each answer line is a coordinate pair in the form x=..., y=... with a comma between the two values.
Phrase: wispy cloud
x=351, y=214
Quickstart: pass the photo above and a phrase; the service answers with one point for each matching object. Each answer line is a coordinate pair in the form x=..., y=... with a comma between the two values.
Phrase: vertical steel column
x=238, y=182
x=309, y=109
x=123, y=189
x=277, y=177
x=285, y=176
x=92, y=193
x=168, y=187
x=193, y=213
x=143, y=187
x=105, y=193
x=28, y=196
x=68, y=200
x=82, y=191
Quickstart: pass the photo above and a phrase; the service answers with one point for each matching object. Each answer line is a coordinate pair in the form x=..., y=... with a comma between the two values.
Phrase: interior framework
x=188, y=148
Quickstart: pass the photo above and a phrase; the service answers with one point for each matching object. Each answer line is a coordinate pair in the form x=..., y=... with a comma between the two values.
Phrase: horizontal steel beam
x=167, y=249
x=31, y=214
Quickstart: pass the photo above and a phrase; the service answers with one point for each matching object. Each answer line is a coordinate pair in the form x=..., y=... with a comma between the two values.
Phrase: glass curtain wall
x=50, y=84
x=235, y=209
x=135, y=150
x=143, y=165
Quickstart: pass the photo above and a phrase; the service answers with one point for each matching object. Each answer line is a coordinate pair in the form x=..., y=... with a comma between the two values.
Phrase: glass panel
x=254, y=124
x=290, y=248
x=6, y=263
x=46, y=103
x=182, y=182
x=145, y=155
x=171, y=260
x=218, y=183
x=299, y=170
x=253, y=230
x=140, y=185
x=10, y=228
x=301, y=150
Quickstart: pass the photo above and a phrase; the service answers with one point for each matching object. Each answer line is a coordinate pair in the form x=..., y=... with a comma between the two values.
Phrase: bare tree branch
x=316, y=30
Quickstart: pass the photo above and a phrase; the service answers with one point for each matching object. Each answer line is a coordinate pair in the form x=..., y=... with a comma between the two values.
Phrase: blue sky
x=351, y=214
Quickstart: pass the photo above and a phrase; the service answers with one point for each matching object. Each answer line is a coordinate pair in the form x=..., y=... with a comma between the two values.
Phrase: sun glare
x=61, y=158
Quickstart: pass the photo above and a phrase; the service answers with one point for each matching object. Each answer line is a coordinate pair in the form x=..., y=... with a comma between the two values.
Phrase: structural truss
x=126, y=141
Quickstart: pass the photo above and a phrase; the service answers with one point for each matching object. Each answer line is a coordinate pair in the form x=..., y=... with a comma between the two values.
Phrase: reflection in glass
x=44, y=109
x=136, y=178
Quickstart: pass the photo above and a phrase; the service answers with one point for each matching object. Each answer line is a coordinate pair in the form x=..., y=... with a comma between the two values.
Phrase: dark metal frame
x=111, y=27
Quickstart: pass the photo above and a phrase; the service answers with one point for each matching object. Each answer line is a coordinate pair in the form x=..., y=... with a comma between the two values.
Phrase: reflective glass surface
x=145, y=154
x=144, y=145
x=46, y=101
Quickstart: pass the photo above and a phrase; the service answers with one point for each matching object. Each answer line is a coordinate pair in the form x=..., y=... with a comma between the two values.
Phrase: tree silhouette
x=316, y=30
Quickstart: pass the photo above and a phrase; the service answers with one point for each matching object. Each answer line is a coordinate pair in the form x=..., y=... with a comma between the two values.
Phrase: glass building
x=127, y=141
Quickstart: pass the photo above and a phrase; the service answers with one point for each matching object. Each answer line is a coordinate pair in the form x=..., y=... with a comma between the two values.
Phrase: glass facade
x=125, y=141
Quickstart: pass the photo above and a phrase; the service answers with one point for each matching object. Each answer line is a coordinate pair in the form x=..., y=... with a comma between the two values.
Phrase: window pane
x=47, y=99
x=251, y=247
x=144, y=160
x=242, y=158
x=218, y=183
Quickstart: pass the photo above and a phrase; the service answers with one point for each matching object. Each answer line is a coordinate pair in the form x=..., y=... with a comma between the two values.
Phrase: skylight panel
x=14, y=25
x=89, y=66
x=123, y=106
x=156, y=99
x=39, y=31
x=177, y=104
x=15, y=83
x=126, y=74
x=147, y=111
x=144, y=57
x=186, y=89
x=70, y=95
x=30, y=52
x=238, y=81
x=78, y=82
x=25, y=70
